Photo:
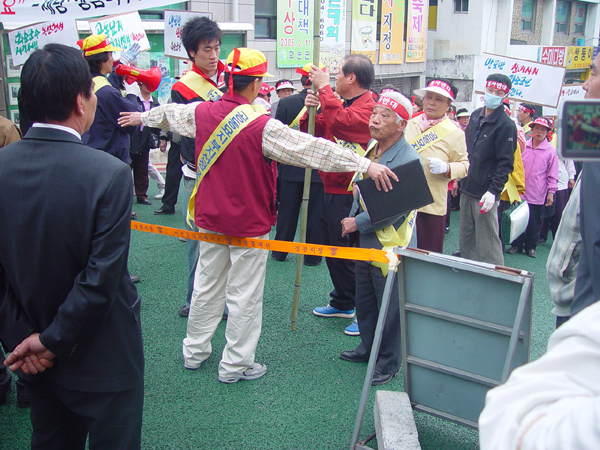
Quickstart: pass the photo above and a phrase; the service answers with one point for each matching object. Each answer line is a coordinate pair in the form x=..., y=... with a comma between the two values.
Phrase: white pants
x=226, y=275
x=156, y=176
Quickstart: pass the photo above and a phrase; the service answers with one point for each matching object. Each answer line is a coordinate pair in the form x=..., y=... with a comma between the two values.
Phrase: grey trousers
x=478, y=236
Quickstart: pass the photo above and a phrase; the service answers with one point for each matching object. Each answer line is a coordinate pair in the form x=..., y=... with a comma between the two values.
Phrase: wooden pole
x=312, y=112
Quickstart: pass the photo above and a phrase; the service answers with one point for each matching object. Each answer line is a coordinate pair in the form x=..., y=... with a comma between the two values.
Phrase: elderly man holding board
x=235, y=186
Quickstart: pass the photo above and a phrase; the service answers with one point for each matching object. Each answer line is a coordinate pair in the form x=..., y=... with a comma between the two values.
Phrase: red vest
x=237, y=195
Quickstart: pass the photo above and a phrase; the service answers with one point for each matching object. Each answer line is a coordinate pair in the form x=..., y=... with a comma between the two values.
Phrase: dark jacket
x=491, y=145
x=146, y=138
x=64, y=241
x=288, y=109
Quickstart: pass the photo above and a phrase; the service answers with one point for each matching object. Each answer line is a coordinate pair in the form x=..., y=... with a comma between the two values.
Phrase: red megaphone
x=149, y=78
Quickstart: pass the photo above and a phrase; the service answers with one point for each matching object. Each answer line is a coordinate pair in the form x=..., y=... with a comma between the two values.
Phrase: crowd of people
x=242, y=160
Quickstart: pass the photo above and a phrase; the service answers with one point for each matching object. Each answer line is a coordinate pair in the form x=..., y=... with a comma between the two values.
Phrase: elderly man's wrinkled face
x=383, y=124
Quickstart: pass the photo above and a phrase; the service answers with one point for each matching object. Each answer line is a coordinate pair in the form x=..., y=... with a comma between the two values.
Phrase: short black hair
x=198, y=30
x=531, y=107
x=500, y=77
x=362, y=67
x=51, y=80
x=240, y=82
x=391, y=87
x=462, y=110
x=305, y=81
x=95, y=61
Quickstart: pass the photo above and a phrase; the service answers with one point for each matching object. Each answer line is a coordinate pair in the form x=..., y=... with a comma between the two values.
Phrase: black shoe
x=133, y=215
x=134, y=279
x=23, y=399
x=456, y=253
x=531, y=253
x=447, y=230
x=311, y=263
x=352, y=356
x=278, y=256
x=184, y=311
x=513, y=250
x=144, y=201
x=382, y=378
x=542, y=241
x=161, y=211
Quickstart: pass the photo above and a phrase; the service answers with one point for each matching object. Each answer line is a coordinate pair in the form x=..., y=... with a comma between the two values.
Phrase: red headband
x=527, y=110
x=389, y=102
x=442, y=85
x=99, y=46
x=258, y=70
x=497, y=85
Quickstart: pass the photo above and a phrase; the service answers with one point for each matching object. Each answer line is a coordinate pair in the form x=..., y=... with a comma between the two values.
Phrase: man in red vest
x=235, y=197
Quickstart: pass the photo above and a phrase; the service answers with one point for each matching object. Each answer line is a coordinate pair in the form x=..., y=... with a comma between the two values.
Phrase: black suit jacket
x=64, y=242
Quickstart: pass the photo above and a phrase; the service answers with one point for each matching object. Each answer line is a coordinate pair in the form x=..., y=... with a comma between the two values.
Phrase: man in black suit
x=68, y=310
x=291, y=185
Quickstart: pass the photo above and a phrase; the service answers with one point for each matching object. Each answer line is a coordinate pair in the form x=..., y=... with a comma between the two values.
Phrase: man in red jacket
x=347, y=123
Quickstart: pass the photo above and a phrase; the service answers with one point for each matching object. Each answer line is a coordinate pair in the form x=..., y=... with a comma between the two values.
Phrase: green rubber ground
x=309, y=397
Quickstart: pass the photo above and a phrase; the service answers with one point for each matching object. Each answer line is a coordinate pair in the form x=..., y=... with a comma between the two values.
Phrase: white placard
x=29, y=11
x=532, y=82
x=24, y=41
x=568, y=92
x=122, y=30
x=174, y=21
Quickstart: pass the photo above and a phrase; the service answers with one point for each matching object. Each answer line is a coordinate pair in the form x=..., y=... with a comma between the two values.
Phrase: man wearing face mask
x=491, y=143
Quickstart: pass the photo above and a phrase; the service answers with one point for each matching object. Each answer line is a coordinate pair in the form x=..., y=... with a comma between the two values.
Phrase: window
x=528, y=15
x=562, y=16
x=579, y=21
x=265, y=19
x=461, y=6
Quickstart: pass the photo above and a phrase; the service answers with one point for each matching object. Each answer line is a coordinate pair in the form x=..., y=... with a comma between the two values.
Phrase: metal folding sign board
x=465, y=326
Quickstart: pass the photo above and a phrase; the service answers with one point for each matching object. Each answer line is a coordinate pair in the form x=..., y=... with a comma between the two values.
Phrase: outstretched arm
x=172, y=116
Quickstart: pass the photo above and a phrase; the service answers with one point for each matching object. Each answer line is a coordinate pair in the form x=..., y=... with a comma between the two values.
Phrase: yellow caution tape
x=359, y=254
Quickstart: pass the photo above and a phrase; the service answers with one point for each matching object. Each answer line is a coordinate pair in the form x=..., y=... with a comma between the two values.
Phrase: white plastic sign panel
x=174, y=21
x=30, y=11
x=24, y=41
x=532, y=82
x=122, y=30
x=568, y=92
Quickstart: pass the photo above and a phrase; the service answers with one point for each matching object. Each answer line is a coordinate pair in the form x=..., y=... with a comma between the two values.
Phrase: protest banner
x=532, y=82
x=24, y=41
x=416, y=30
x=364, y=28
x=294, y=32
x=391, y=42
x=568, y=92
x=174, y=21
x=29, y=11
x=122, y=30
x=332, y=30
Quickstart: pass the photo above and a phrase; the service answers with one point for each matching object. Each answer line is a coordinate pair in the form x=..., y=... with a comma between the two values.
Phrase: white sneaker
x=251, y=373
x=160, y=195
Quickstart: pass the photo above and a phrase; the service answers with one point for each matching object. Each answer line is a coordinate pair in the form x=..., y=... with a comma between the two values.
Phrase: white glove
x=129, y=55
x=437, y=166
x=486, y=202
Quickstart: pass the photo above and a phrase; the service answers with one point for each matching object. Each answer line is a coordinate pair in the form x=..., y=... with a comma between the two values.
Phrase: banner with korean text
x=122, y=30
x=364, y=28
x=24, y=41
x=579, y=57
x=552, y=55
x=294, y=33
x=532, y=82
x=416, y=30
x=332, y=30
x=174, y=21
x=29, y=11
x=391, y=41
x=568, y=92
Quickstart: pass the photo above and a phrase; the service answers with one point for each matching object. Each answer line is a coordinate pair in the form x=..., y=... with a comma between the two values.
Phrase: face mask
x=492, y=101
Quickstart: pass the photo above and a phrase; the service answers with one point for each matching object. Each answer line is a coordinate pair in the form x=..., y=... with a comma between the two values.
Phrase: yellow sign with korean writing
x=391, y=41
x=579, y=57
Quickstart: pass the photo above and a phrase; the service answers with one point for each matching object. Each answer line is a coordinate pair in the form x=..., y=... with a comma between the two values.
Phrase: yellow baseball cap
x=247, y=61
x=96, y=43
x=305, y=71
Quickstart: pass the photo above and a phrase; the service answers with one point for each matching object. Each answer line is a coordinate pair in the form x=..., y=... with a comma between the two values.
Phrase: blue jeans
x=191, y=245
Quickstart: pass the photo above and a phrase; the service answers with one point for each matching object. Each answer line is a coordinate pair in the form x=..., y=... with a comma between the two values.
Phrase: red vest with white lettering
x=237, y=195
